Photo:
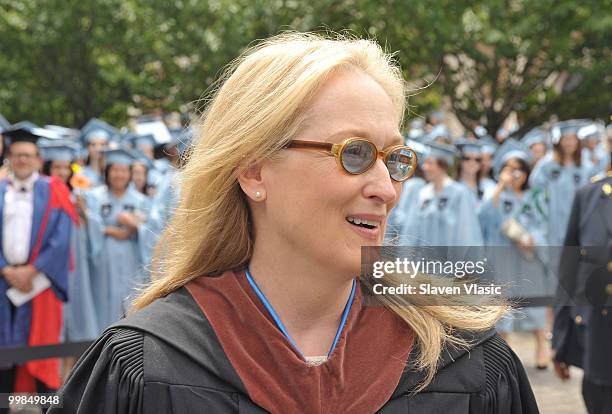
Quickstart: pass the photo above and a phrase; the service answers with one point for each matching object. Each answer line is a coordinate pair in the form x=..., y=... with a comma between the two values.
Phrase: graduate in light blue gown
x=538, y=142
x=488, y=147
x=95, y=137
x=145, y=144
x=164, y=148
x=141, y=173
x=559, y=175
x=167, y=193
x=445, y=212
x=513, y=224
x=143, y=170
x=119, y=213
x=468, y=170
x=162, y=208
x=80, y=321
x=594, y=153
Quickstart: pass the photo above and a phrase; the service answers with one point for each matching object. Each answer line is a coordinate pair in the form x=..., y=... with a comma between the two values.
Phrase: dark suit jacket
x=582, y=333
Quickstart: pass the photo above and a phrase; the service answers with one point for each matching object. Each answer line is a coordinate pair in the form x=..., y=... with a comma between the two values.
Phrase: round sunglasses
x=358, y=155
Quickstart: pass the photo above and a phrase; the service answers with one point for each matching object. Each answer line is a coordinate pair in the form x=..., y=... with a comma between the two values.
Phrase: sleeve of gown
x=53, y=259
x=538, y=178
x=95, y=227
x=490, y=220
x=108, y=378
x=507, y=386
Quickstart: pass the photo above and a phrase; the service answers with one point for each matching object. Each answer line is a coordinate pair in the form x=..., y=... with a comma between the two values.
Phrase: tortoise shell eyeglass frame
x=337, y=150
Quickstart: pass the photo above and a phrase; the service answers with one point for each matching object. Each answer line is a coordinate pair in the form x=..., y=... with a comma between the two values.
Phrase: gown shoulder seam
x=126, y=347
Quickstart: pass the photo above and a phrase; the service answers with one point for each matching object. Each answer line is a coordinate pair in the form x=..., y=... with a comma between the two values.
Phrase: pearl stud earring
x=257, y=194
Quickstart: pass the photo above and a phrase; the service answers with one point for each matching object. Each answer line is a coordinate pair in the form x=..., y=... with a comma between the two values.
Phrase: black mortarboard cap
x=27, y=134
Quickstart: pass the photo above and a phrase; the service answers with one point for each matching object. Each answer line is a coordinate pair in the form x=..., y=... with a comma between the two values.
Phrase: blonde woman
x=256, y=306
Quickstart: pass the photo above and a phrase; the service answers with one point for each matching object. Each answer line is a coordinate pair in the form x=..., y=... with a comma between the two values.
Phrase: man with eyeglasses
x=35, y=215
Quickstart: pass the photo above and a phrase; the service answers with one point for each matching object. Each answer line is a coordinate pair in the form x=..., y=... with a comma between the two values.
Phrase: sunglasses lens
x=401, y=163
x=358, y=156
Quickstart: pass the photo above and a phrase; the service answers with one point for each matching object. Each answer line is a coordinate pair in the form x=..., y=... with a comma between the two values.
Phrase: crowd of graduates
x=474, y=190
x=119, y=190
x=512, y=195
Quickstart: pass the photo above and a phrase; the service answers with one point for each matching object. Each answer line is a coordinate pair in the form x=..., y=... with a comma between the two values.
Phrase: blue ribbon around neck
x=282, y=328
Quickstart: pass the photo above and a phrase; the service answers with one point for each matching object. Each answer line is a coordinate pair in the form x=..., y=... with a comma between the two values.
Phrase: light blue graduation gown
x=117, y=264
x=488, y=187
x=404, y=206
x=529, y=277
x=559, y=184
x=601, y=164
x=80, y=320
x=93, y=177
x=163, y=166
x=521, y=276
x=162, y=209
x=446, y=218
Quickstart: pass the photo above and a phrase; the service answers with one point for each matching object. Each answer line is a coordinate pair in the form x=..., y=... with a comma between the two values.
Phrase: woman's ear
x=251, y=182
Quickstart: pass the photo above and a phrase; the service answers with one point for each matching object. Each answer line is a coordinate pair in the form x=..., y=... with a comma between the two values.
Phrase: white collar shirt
x=17, y=219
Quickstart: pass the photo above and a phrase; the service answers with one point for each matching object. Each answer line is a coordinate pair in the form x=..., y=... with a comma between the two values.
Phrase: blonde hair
x=256, y=110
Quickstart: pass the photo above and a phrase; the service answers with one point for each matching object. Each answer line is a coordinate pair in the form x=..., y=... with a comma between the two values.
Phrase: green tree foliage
x=65, y=61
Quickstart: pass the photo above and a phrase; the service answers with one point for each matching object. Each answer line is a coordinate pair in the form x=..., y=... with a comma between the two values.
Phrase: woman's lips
x=368, y=233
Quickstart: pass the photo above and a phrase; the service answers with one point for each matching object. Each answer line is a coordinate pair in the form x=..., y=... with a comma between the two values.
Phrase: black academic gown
x=167, y=359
